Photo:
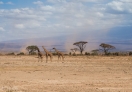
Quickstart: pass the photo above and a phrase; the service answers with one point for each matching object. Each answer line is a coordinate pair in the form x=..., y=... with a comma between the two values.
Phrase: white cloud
x=15, y=10
x=65, y=1
x=56, y=1
x=38, y=2
x=121, y=6
x=116, y=5
x=19, y=26
x=1, y=2
x=2, y=29
x=47, y=8
x=100, y=14
x=66, y=16
x=126, y=1
x=10, y=3
x=32, y=24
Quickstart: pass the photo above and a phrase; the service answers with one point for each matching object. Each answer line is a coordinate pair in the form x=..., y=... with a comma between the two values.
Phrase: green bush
x=21, y=53
x=130, y=53
x=86, y=53
x=33, y=53
x=54, y=54
x=70, y=53
x=10, y=53
x=116, y=54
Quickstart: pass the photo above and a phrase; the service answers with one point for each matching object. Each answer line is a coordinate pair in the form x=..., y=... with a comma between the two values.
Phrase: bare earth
x=75, y=74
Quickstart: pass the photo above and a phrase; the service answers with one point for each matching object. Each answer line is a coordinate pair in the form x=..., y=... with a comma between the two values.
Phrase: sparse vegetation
x=54, y=54
x=106, y=48
x=130, y=53
x=21, y=53
x=32, y=49
x=81, y=45
x=74, y=50
x=69, y=53
x=12, y=53
x=86, y=53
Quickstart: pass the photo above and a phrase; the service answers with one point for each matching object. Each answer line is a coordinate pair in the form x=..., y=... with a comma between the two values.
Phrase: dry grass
x=75, y=74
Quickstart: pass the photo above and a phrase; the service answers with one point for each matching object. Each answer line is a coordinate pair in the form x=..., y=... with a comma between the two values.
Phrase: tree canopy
x=106, y=47
x=81, y=45
x=74, y=50
x=31, y=49
x=95, y=51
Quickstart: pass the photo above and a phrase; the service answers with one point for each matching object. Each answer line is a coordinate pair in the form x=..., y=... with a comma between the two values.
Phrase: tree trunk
x=81, y=52
x=105, y=52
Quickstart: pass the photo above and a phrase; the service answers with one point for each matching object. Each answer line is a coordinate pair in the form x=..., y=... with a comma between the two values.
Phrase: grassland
x=75, y=74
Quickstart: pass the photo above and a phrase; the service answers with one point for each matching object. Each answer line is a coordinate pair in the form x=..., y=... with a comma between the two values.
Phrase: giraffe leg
x=58, y=57
x=63, y=58
x=41, y=59
x=46, y=59
x=38, y=59
x=51, y=58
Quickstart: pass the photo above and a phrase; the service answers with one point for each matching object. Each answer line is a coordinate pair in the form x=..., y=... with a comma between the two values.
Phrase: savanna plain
x=74, y=74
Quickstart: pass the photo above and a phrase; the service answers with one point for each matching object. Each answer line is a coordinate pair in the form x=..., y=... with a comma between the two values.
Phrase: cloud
x=121, y=6
x=10, y=3
x=1, y=2
x=2, y=29
x=19, y=26
x=38, y=2
x=126, y=1
x=86, y=18
x=47, y=8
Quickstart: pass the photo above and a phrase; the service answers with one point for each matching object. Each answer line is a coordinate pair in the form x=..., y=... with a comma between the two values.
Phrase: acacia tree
x=95, y=52
x=106, y=47
x=74, y=50
x=31, y=49
x=81, y=45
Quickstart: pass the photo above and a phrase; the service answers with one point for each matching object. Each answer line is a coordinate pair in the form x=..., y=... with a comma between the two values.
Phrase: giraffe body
x=60, y=54
x=47, y=54
x=40, y=55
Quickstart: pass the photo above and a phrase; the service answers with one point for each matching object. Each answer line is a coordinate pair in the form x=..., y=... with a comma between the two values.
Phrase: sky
x=107, y=21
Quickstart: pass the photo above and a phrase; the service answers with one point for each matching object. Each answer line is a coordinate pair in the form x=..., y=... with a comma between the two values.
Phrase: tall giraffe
x=47, y=53
x=60, y=54
x=40, y=55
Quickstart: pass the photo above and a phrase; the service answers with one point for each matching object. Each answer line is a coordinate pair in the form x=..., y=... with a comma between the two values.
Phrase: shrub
x=130, y=53
x=70, y=53
x=10, y=53
x=33, y=53
x=54, y=54
x=86, y=53
x=116, y=54
x=21, y=53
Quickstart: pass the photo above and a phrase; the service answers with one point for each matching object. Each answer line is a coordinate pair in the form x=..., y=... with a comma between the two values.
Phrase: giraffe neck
x=45, y=50
x=38, y=50
x=56, y=50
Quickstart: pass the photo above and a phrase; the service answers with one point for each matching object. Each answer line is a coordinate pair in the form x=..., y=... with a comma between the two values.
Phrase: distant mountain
x=61, y=43
x=21, y=44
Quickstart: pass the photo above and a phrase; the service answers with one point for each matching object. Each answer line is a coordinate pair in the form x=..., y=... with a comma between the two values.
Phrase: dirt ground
x=75, y=74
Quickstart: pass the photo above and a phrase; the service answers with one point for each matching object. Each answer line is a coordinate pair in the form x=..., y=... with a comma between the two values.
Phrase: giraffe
x=40, y=55
x=60, y=54
x=47, y=53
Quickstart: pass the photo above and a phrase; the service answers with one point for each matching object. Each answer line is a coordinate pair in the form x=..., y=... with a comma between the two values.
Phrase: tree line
x=81, y=45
